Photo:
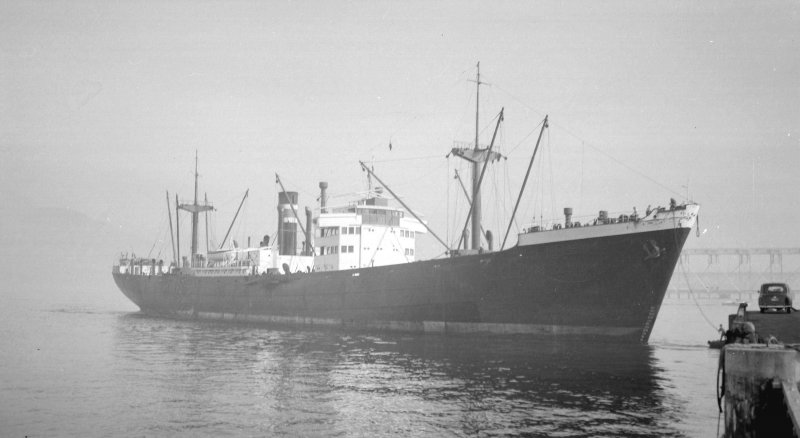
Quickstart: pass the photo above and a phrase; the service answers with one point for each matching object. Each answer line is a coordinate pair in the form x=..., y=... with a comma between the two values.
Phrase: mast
x=476, y=190
x=476, y=156
x=480, y=179
x=469, y=201
x=194, y=213
x=195, y=209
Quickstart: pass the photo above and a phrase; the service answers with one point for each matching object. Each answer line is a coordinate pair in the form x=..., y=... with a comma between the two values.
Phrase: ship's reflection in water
x=211, y=378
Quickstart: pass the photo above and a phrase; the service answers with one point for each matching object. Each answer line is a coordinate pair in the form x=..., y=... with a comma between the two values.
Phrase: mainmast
x=476, y=156
x=195, y=209
x=476, y=189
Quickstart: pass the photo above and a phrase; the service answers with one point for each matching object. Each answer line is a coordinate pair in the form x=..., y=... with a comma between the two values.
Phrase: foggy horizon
x=104, y=106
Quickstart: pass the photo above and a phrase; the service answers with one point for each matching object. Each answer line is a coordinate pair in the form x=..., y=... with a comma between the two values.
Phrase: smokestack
x=287, y=224
x=567, y=217
x=310, y=233
x=323, y=195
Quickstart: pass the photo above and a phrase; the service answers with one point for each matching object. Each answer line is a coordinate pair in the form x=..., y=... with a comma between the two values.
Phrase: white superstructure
x=367, y=233
x=253, y=261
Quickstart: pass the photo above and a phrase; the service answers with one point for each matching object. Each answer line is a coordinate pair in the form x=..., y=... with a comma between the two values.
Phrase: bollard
x=755, y=375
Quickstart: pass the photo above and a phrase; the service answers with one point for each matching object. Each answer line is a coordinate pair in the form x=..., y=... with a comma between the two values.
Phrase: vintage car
x=774, y=296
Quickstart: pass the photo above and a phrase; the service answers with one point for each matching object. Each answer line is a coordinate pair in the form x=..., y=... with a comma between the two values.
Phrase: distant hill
x=57, y=248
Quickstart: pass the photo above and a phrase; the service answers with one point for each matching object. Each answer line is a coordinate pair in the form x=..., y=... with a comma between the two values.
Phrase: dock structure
x=733, y=273
x=785, y=327
x=761, y=390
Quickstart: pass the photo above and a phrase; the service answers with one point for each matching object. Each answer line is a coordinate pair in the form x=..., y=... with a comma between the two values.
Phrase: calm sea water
x=80, y=361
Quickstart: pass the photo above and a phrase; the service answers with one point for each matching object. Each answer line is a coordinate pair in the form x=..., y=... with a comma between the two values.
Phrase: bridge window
x=329, y=231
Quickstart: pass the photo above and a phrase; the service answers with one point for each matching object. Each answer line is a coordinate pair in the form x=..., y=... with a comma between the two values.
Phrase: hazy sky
x=104, y=103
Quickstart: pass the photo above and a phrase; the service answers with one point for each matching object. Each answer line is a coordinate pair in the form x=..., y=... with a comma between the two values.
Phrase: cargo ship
x=354, y=266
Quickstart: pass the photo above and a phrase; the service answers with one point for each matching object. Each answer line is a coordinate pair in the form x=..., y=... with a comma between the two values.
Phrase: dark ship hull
x=605, y=286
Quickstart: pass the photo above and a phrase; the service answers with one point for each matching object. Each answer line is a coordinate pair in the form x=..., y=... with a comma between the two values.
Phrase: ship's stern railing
x=141, y=266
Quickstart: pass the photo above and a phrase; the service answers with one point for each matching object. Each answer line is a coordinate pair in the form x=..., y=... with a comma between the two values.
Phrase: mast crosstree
x=195, y=209
x=476, y=156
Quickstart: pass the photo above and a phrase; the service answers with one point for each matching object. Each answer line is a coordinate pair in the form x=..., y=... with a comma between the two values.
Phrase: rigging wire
x=496, y=199
x=458, y=207
x=447, y=210
x=541, y=188
x=392, y=160
x=691, y=292
x=212, y=231
x=467, y=104
x=535, y=129
x=159, y=238
x=686, y=277
x=552, y=184
x=417, y=115
x=642, y=174
x=580, y=197
x=508, y=195
x=578, y=137
x=294, y=186
x=247, y=224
